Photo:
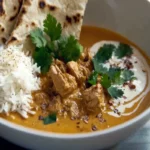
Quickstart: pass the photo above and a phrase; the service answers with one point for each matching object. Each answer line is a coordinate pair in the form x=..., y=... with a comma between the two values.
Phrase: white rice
x=17, y=81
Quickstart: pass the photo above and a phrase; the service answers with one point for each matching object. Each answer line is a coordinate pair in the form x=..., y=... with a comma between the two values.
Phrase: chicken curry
x=74, y=98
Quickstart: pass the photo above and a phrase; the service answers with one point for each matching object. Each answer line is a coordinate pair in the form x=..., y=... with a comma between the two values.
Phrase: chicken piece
x=80, y=72
x=41, y=98
x=64, y=83
x=73, y=108
x=94, y=98
x=61, y=65
x=55, y=105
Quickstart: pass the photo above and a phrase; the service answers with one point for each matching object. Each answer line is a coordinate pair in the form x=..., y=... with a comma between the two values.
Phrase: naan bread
x=33, y=12
x=9, y=10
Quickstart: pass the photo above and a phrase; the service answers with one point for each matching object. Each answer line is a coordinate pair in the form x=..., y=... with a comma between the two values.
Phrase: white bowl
x=128, y=17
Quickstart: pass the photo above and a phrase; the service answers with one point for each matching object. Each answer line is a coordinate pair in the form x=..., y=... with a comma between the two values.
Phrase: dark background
x=7, y=145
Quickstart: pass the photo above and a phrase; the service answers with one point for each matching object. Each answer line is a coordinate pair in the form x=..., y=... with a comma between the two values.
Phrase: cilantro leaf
x=113, y=71
x=123, y=50
x=42, y=58
x=69, y=49
x=118, y=80
x=105, y=81
x=104, y=53
x=52, y=28
x=50, y=119
x=93, y=78
x=38, y=38
x=99, y=67
x=115, y=92
x=127, y=75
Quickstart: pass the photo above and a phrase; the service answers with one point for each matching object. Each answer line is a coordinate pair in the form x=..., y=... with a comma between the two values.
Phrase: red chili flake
x=128, y=64
x=116, y=111
x=132, y=86
x=102, y=120
x=78, y=122
x=94, y=128
x=124, y=97
x=41, y=117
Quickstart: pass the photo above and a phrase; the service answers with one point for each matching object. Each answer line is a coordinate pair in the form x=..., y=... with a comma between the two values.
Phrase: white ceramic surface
x=128, y=17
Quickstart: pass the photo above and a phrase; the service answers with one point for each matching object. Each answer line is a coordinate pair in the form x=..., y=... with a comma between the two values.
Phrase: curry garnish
x=50, y=44
x=110, y=77
x=50, y=119
x=123, y=50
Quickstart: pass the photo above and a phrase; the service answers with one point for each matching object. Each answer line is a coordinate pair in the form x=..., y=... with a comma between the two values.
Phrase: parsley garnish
x=93, y=78
x=123, y=50
x=50, y=119
x=115, y=92
x=66, y=48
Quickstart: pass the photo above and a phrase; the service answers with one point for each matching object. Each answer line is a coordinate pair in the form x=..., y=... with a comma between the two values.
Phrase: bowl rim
x=40, y=133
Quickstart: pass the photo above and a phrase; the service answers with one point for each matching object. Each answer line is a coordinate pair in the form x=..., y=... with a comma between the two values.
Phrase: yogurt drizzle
x=142, y=84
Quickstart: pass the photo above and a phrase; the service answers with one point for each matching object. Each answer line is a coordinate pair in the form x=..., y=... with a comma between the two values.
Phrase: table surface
x=139, y=141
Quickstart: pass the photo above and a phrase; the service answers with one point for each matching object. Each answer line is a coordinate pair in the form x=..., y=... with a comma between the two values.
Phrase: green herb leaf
x=105, y=81
x=38, y=38
x=115, y=92
x=104, y=53
x=93, y=78
x=127, y=75
x=50, y=119
x=123, y=50
x=99, y=67
x=52, y=28
x=70, y=49
x=113, y=71
x=118, y=80
x=43, y=59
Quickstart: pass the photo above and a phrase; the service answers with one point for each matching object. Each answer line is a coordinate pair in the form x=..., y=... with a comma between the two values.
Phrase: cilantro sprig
x=50, y=119
x=112, y=76
x=50, y=44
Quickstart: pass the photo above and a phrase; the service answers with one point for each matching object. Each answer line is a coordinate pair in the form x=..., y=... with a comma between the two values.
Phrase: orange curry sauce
x=89, y=36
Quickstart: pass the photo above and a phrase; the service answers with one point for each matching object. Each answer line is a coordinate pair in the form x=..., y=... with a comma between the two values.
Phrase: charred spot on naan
x=2, y=12
x=13, y=39
x=52, y=8
x=17, y=11
x=77, y=18
x=69, y=19
x=33, y=24
x=42, y=4
x=72, y=19
x=3, y=29
x=23, y=11
x=3, y=40
x=19, y=20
